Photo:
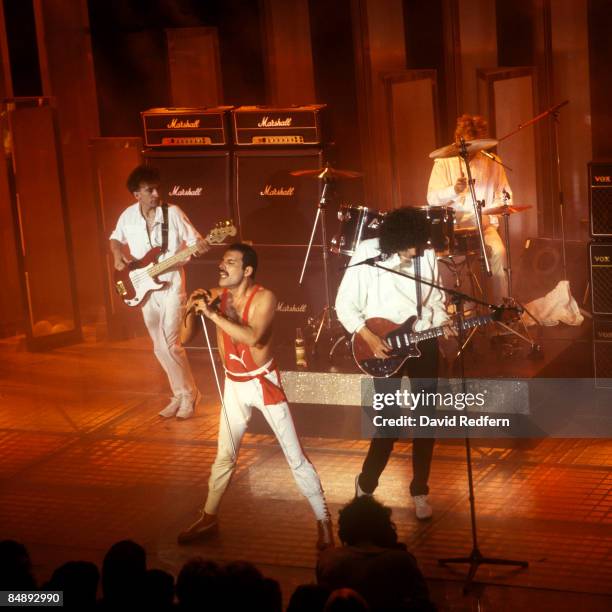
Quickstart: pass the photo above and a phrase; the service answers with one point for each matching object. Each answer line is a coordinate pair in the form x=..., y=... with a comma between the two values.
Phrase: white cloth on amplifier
x=557, y=306
x=131, y=229
x=367, y=292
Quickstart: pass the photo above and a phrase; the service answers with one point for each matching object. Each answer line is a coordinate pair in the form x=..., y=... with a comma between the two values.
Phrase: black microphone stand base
x=475, y=560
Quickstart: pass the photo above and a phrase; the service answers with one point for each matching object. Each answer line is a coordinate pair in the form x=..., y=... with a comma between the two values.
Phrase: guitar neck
x=404, y=339
x=166, y=264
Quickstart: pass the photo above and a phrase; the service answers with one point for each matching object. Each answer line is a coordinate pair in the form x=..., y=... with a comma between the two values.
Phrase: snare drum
x=466, y=241
x=357, y=223
x=435, y=227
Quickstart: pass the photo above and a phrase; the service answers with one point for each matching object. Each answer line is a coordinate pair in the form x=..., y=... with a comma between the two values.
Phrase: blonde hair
x=471, y=127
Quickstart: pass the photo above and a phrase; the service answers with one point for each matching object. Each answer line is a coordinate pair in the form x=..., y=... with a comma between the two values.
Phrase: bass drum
x=357, y=223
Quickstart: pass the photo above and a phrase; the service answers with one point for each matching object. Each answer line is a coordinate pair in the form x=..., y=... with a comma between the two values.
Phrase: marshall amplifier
x=602, y=351
x=186, y=127
x=600, y=199
x=196, y=181
x=601, y=277
x=274, y=207
x=266, y=126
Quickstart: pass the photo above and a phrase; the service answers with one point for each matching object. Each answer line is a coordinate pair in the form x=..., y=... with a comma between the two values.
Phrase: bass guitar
x=404, y=341
x=139, y=278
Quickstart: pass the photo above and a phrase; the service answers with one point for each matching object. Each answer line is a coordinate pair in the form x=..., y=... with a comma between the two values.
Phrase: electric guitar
x=139, y=278
x=404, y=340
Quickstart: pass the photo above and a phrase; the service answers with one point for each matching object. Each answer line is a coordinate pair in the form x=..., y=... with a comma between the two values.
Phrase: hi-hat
x=505, y=210
x=327, y=173
x=472, y=146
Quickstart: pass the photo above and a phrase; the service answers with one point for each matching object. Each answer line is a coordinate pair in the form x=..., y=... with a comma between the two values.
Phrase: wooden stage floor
x=86, y=461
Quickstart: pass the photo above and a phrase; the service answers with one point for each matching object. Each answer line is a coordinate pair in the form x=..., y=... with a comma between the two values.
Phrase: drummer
x=448, y=186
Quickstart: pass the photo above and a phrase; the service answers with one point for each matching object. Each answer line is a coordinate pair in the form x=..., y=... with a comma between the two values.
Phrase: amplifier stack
x=600, y=263
x=228, y=162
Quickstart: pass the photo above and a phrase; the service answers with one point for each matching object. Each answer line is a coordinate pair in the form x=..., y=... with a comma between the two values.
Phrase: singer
x=244, y=337
x=146, y=224
x=448, y=186
x=367, y=292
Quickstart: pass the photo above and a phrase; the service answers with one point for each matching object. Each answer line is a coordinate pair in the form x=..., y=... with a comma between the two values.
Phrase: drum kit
x=436, y=227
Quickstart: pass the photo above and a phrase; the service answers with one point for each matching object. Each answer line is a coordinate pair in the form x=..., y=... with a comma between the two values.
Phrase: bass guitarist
x=367, y=292
x=142, y=226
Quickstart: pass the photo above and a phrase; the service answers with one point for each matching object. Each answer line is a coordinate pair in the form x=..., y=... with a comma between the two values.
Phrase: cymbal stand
x=535, y=348
x=328, y=318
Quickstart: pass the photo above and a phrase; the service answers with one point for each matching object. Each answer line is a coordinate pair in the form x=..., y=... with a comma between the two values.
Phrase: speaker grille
x=274, y=207
x=602, y=351
x=600, y=199
x=601, y=278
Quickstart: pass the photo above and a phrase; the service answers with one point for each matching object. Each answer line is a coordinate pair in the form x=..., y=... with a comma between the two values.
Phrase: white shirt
x=132, y=230
x=367, y=292
x=489, y=183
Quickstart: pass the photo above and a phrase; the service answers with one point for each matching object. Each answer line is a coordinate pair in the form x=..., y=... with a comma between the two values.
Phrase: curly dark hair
x=142, y=174
x=399, y=230
x=366, y=520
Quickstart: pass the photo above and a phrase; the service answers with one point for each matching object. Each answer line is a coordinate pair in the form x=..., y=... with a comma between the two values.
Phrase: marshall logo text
x=177, y=190
x=268, y=190
x=266, y=122
x=284, y=307
x=182, y=123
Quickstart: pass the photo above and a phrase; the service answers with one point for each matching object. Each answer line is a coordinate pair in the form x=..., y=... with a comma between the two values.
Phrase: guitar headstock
x=221, y=231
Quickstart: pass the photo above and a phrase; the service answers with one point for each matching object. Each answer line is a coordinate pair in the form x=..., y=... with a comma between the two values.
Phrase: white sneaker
x=359, y=492
x=170, y=410
x=188, y=405
x=422, y=509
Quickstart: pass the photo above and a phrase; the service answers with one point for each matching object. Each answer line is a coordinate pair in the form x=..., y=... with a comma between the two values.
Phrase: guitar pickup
x=120, y=288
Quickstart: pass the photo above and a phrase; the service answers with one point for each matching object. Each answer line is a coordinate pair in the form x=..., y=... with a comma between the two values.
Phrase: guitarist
x=366, y=292
x=142, y=226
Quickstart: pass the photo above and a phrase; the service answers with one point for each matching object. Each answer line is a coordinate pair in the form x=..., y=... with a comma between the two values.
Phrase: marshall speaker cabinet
x=600, y=199
x=274, y=207
x=281, y=127
x=186, y=127
x=196, y=181
x=600, y=255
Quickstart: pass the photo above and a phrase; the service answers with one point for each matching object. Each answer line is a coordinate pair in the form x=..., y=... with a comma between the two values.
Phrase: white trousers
x=240, y=398
x=497, y=259
x=162, y=313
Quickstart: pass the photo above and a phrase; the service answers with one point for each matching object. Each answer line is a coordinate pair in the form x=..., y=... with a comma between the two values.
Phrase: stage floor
x=86, y=461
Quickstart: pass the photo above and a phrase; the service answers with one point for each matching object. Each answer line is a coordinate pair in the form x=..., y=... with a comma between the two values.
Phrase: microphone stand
x=475, y=558
x=216, y=375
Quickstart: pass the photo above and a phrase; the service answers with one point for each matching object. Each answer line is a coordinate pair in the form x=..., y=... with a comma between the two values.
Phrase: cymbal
x=504, y=210
x=472, y=146
x=327, y=173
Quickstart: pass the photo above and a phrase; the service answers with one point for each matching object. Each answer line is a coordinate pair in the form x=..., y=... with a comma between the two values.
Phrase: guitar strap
x=164, y=228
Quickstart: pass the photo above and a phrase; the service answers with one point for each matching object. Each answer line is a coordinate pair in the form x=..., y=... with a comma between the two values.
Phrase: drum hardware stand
x=536, y=349
x=327, y=319
x=475, y=559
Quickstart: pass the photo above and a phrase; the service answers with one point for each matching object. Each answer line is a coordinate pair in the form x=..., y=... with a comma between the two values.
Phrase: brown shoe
x=325, y=533
x=207, y=525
